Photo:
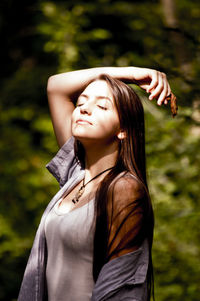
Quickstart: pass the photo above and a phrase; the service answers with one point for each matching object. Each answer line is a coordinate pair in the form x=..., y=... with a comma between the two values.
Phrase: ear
x=121, y=135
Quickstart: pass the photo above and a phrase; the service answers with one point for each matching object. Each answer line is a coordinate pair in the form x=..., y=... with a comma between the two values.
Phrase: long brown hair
x=130, y=159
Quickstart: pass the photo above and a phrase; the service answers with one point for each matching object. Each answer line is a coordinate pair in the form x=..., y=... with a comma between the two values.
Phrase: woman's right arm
x=63, y=89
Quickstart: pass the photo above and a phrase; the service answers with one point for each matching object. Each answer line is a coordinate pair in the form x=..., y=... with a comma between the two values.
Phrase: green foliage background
x=40, y=38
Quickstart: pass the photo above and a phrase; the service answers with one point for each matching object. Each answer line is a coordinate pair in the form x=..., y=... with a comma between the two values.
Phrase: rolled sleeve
x=64, y=165
x=124, y=278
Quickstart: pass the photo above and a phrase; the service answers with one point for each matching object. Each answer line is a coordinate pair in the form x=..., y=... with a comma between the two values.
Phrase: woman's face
x=95, y=116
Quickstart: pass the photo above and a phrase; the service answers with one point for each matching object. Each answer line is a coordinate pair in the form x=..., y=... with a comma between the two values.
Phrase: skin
x=95, y=117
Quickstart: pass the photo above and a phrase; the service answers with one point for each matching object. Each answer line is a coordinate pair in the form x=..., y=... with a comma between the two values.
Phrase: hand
x=153, y=82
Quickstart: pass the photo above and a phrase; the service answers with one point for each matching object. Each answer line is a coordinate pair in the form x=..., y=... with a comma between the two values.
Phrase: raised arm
x=63, y=89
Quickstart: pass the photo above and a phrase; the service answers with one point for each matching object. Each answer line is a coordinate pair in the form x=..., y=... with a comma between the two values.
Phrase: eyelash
x=101, y=107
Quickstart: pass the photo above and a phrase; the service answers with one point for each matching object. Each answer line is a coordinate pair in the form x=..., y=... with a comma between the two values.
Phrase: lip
x=83, y=121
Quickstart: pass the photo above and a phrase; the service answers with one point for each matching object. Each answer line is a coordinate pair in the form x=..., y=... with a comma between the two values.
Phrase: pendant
x=78, y=195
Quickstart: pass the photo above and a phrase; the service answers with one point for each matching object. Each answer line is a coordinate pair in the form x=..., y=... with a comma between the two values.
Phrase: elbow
x=51, y=84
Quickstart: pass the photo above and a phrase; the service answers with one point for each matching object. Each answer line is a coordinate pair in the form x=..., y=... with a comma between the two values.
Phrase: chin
x=82, y=137
x=84, y=134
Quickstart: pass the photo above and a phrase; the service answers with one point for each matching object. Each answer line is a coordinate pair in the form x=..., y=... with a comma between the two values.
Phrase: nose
x=86, y=108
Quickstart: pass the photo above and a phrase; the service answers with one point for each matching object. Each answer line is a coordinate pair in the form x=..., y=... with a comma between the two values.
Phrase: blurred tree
x=43, y=37
x=177, y=39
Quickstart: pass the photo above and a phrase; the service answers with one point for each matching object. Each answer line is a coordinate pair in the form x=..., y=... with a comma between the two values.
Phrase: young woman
x=95, y=237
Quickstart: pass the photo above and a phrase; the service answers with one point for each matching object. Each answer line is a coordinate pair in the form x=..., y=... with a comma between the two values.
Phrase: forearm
x=71, y=83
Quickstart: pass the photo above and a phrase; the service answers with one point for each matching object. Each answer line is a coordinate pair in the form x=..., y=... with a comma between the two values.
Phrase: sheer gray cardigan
x=123, y=278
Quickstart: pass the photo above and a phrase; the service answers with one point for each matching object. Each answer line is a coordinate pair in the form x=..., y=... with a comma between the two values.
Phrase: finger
x=168, y=94
x=164, y=93
x=144, y=87
x=154, y=80
x=158, y=89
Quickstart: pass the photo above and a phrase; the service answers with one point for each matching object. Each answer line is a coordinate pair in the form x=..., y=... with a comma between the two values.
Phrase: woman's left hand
x=153, y=82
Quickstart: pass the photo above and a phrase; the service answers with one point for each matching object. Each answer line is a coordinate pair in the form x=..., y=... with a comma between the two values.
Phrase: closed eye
x=102, y=107
x=80, y=102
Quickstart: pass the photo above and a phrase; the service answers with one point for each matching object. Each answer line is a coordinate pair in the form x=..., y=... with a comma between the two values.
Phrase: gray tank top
x=69, y=239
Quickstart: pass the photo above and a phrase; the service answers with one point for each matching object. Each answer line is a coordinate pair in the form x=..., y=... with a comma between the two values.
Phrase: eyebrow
x=97, y=97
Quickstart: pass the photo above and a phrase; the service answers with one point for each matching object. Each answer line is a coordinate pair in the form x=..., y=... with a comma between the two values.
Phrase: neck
x=99, y=158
